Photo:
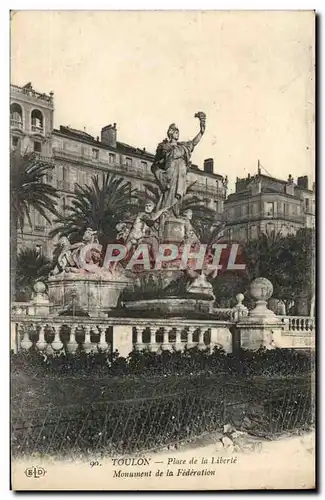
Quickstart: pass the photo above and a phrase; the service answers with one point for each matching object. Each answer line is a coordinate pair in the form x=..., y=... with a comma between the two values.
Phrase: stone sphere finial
x=261, y=289
x=39, y=287
x=240, y=297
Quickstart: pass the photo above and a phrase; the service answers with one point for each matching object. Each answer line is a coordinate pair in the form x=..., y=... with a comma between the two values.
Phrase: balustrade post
x=26, y=343
x=201, y=344
x=41, y=343
x=178, y=342
x=56, y=344
x=153, y=345
x=165, y=346
x=87, y=345
x=190, y=332
x=72, y=345
x=103, y=345
x=139, y=343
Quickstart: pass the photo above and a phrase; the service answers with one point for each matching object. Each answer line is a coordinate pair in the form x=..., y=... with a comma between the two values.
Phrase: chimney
x=289, y=187
x=303, y=182
x=208, y=166
x=108, y=135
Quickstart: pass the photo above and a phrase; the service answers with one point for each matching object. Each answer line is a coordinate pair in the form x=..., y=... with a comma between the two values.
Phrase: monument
x=177, y=291
x=84, y=281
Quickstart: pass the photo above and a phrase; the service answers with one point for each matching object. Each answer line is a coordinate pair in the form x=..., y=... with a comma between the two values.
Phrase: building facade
x=263, y=204
x=78, y=156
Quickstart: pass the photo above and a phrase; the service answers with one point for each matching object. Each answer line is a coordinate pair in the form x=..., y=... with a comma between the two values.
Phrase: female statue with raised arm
x=171, y=164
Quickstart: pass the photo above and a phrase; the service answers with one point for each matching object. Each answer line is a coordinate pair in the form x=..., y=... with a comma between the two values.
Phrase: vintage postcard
x=162, y=170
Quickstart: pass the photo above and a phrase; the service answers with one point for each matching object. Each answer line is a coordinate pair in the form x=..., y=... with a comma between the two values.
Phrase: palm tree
x=31, y=267
x=28, y=190
x=101, y=206
x=262, y=255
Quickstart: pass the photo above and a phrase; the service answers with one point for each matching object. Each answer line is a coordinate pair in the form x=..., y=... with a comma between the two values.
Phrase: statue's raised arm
x=202, y=117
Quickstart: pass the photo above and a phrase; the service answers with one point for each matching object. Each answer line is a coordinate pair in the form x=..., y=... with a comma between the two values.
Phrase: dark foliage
x=277, y=362
x=28, y=187
x=31, y=267
x=102, y=205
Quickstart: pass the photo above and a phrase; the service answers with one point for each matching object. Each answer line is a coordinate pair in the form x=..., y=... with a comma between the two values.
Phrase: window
x=128, y=162
x=244, y=210
x=144, y=164
x=37, y=147
x=95, y=154
x=37, y=121
x=269, y=207
x=16, y=116
x=243, y=233
x=307, y=204
x=15, y=141
x=112, y=158
x=237, y=212
x=285, y=208
x=254, y=234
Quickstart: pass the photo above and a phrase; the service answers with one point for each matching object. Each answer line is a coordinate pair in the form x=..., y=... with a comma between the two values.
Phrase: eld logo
x=35, y=472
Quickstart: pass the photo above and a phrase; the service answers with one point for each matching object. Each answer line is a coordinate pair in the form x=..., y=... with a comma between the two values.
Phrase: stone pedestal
x=122, y=339
x=174, y=230
x=221, y=336
x=261, y=328
x=83, y=292
x=40, y=304
x=201, y=286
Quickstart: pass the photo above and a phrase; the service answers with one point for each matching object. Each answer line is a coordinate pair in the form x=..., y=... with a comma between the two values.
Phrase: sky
x=252, y=73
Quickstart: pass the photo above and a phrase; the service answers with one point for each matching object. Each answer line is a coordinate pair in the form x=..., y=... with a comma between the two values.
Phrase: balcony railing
x=278, y=215
x=139, y=172
x=37, y=129
x=31, y=92
x=16, y=123
x=209, y=192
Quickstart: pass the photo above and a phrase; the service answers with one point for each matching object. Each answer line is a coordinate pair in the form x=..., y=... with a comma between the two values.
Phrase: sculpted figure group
x=169, y=168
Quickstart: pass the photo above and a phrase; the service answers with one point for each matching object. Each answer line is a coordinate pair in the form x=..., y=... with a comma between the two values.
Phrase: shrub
x=277, y=362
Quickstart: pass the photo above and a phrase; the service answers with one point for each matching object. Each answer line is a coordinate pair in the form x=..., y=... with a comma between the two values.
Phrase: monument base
x=170, y=306
x=93, y=296
x=174, y=230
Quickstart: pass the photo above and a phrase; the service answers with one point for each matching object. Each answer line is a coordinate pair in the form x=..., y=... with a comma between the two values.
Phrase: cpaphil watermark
x=170, y=256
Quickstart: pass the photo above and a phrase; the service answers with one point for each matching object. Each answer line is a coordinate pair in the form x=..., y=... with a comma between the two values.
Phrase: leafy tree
x=285, y=261
x=101, y=206
x=28, y=191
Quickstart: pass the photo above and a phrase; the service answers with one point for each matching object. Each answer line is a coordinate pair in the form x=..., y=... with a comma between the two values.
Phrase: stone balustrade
x=22, y=308
x=298, y=323
x=55, y=334
x=298, y=332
